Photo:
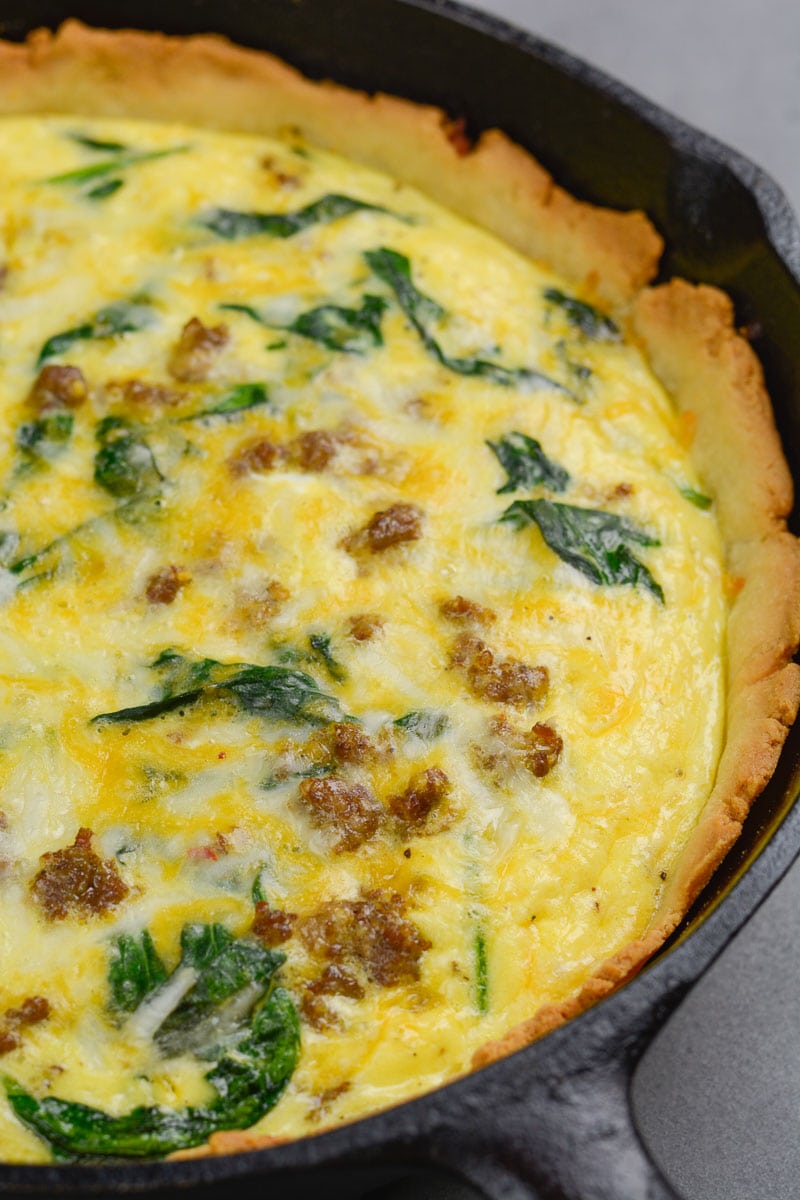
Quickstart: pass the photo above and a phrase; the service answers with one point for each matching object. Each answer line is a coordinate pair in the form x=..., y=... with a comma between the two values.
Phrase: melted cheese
x=558, y=872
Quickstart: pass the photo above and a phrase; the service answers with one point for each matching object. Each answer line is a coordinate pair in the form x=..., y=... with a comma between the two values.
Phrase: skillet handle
x=555, y=1121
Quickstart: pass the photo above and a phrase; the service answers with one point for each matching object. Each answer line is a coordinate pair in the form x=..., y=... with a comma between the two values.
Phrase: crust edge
x=208, y=81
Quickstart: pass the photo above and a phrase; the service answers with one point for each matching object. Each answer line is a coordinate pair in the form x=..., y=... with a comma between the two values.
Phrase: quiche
x=398, y=608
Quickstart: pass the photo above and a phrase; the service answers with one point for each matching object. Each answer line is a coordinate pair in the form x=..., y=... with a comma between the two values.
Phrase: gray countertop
x=718, y=1094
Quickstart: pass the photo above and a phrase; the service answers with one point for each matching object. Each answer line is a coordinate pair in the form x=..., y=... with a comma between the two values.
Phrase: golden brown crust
x=686, y=331
x=689, y=337
x=207, y=81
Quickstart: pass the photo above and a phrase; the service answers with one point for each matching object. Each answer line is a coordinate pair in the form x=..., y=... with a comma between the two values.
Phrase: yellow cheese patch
x=207, y=500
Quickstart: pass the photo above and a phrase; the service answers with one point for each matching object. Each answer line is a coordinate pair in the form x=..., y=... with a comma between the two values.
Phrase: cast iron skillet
x=552, y=1122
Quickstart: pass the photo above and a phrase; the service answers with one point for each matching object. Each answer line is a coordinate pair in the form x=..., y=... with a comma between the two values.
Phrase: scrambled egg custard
x=362, y=639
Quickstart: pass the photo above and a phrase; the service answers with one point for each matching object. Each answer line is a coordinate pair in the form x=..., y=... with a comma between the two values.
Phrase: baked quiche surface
x=366, y=661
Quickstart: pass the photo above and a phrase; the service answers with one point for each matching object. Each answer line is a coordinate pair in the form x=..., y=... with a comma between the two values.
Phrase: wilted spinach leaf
x=43, y=440
x=274, y=693
x=134, y=972
x=110, y=166
x=527, y=464
x=103, y=190
x=599, y=544
x=225, y=968
x=124, y=465
x=481, y=958
x=239, y=399
x=227, y=1013
x=111, y=321
x=394, y=269
x=424, y=723
x=230, y=223
x=696, y=498
x=129, y=510
x=348, y=330
x=351, y=330
x=321, y=645
x=584, y=317
x=91, y=143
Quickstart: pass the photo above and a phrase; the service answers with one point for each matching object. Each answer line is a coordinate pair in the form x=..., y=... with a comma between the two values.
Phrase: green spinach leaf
x=247, y=1081
x=239, y=399
x=394, y=270
x=111, y=166
x=584, y=317
x=347, y=330
x=103, y=190
x=599, y=544
x=273, y=693
x=527, y=465
x=129, y=510
x=696, y=498
x=44, y=439
x=91, y=143
x=222, y=1008
x=230, y=223
x=424, y=723
x=135, y=971
x=111, y=321
x=320, y=643
x=350, y=330
x=225, y=969
x=481, y=962
x=124, y=465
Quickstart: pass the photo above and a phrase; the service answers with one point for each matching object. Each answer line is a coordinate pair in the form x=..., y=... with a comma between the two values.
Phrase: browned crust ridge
x=207, y=81
x=686, y=331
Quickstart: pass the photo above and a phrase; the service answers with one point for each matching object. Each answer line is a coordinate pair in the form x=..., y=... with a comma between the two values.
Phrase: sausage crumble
x=387, y=528
x=76, y=880
x=194, y=352
x=506, y=680
x=346, y=809
x=371, y=934
x=58, y=387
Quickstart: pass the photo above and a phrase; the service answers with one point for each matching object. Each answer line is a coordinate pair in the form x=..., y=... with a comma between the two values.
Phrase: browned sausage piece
x=163, y=586
x=425, y=791
x=544, y=749
x=313, y=451
x=350, y=744
x=390, y=527
x=255, y=457
x=76, y=880
x=506, y=680
x=8, y=1041
x=58, y=387
x=537, y=749
x=343, y=808
x=336, y=980
x=272, y=925
x=195, y=350
x=371, y=932
x=363, y=627
x=32, y=1010
x=463, y=610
